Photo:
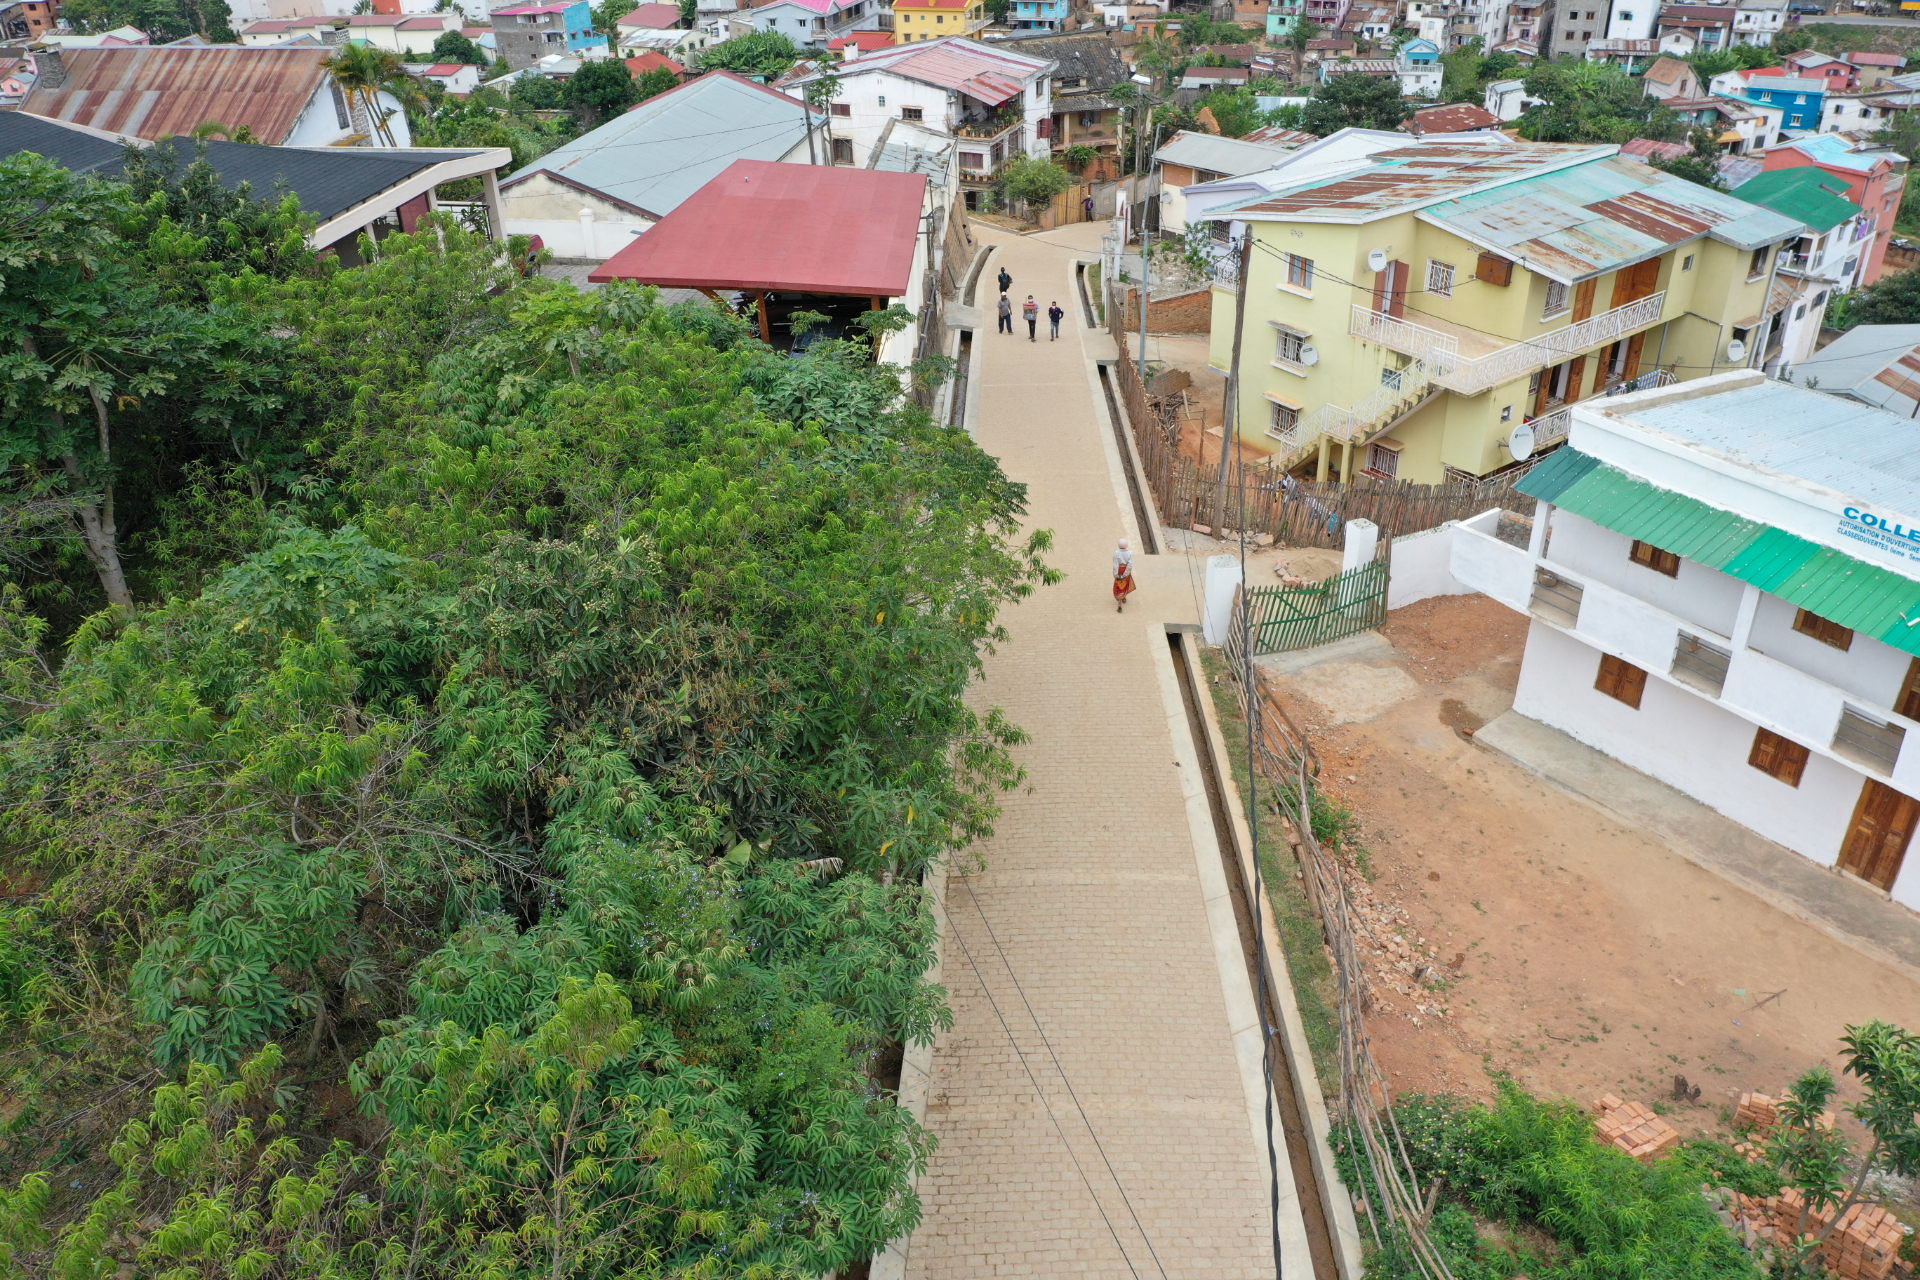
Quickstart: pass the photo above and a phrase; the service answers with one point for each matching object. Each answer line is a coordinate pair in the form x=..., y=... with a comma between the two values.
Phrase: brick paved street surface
x=1091, y=890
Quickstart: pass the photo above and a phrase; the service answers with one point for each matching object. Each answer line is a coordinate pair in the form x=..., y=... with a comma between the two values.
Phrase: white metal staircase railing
x=1394, y=396
x=1470, y=375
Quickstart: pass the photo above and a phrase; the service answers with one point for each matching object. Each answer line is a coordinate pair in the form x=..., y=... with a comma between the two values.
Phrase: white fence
x=1471, y=375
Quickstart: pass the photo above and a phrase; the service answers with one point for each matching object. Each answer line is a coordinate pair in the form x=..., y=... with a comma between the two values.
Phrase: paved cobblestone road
x=1090, y=899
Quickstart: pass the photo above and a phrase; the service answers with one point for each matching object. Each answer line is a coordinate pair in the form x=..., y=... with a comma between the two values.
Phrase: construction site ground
x=1524, y=930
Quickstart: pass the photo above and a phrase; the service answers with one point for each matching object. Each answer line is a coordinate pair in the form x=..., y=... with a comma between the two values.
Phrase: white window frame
x=1557, y=303
x=1288, y=341
x=1439, y=278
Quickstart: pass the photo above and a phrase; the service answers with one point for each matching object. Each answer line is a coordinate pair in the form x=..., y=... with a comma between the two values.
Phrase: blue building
x=1799, y=98
x=526, y=33
x=1037, y=15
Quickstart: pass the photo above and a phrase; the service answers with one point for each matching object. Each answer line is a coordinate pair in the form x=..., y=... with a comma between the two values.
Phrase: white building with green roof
x=1723, y=583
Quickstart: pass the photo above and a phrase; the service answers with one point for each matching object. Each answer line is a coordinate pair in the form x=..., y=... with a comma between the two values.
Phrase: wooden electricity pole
x=1230, y=411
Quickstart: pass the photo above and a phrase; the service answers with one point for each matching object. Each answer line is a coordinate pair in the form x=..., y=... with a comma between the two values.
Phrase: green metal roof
x=1807, y=194
x=1830, y=583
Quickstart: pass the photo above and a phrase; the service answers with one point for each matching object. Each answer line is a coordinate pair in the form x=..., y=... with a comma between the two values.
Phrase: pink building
x=1875, y=181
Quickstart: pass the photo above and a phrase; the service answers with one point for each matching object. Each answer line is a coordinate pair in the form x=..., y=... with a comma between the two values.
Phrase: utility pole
x=1230, y=411
x=1146, y=261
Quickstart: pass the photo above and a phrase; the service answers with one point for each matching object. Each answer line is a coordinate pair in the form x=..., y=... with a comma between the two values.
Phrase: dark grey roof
x=327, y=180
x=1089, y=58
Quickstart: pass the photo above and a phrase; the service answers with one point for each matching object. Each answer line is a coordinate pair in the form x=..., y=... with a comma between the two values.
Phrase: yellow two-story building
x=915, y=21
x=1432, y=311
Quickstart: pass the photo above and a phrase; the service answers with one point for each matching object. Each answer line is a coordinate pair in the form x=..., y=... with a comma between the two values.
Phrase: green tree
x=1234, y=110
x=599, y=90
x=535, y=92
x=606, y=19
x=162, y=20
x=1593, y=102
x=363, y=73
x=764, y=53
x=1301, y=32
x=1356, y=102
x=453, y=46
x=1892, y=299
x=657, y=81
x=1034, y=181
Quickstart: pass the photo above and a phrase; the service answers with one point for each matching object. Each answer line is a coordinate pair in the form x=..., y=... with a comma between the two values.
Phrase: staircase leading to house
x=1395, y=397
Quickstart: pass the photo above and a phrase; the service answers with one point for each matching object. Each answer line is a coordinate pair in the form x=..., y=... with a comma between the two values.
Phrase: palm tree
x=363, y=72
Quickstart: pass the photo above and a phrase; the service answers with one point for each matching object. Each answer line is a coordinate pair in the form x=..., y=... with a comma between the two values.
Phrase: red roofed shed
x=763, y=227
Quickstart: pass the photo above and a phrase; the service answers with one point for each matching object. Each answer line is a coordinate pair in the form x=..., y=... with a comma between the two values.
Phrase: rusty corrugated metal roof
x=157, y=92
x=1412, y=176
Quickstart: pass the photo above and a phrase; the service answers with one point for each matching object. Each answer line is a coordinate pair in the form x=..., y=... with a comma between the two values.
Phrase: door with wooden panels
x=1909, y=701
x=1876, y=843
x=1630, y=284
x=1583, y=299
x=1634, y=344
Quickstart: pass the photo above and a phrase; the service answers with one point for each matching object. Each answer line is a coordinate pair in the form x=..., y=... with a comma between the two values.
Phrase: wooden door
x=1630, y=284
x=1909, y=703
x=1576, y=372
x=1876, y=843
x=1390, y=289
x=1634, y=344
x=1583, y=299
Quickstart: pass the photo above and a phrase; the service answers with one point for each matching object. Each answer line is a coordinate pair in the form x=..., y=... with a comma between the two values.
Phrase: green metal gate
x=1281, y=618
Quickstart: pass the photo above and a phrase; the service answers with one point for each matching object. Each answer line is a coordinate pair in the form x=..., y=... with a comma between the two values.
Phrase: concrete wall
x=1421, y=564
x=587, y=238
x=1705, y=597
x=1688, y=741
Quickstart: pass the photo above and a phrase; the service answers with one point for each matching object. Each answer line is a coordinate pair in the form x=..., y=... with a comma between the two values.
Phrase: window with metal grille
x=1621, y=680
x=1288, y=346
x=1778, y=757
x=1285, y=421
x=1557, y=295
x=1382, y=461
x=1809, y=623
x=1299, y=271
x=1652, y=557
x=912, y=113
x=843, y=151
x=1440, y=278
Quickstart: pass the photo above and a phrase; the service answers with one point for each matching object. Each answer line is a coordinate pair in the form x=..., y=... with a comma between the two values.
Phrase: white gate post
x=1223, y=577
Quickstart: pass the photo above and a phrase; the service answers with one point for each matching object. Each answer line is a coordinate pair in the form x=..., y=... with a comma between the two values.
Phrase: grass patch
x=1301, y=940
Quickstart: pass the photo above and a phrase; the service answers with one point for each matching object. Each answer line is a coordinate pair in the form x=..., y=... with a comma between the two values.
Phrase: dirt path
x=1571, y=951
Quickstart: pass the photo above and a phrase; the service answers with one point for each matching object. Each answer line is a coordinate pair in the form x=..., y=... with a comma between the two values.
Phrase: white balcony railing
x=1399, y=389
x=1470, y=375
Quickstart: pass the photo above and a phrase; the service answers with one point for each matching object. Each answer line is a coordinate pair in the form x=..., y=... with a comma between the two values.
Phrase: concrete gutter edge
x=1336, y=1201
x=916, y=1068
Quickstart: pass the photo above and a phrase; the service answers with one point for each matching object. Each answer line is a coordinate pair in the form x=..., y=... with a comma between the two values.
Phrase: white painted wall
x=1705, y=597
x=579, y=237
x=1869, y=670
x=1421, y=564
x=1689, y=742
x=319, y=125
x=1482, y=562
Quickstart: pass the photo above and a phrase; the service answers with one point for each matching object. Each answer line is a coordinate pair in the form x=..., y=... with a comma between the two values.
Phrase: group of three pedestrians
x=1030, y=312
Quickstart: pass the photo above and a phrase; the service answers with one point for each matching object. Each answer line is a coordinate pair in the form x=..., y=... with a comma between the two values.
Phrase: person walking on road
x=1006, y=281
x=1054, y=316
x=1006, y=315
x=1122, y=576
x=1030, y=312
x=1086, y=205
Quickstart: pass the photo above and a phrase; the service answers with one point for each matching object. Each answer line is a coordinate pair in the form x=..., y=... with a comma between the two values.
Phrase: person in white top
x=1122, y=576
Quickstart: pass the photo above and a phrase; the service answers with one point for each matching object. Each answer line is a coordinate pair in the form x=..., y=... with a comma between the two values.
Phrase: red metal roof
x=642, y=63
x=653, y=17
x=789, y=228
x=156, y=92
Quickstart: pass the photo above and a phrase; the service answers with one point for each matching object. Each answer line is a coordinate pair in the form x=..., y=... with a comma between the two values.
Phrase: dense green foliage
x=162, y=20
x=1593, y=102
x=1356, y=102
x=764, y=53
x=453, y=46
x=600, y=90
x=1527, y=1163
x=1892, y=299
x=491, y=816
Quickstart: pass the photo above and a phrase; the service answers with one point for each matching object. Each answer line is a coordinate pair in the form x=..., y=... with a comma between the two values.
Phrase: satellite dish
x=1309, y=354
x=1520, y=442
x=1736, y=350
x=1376, y=260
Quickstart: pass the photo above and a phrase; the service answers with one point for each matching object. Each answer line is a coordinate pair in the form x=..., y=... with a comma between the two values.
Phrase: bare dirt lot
x=1572, y=951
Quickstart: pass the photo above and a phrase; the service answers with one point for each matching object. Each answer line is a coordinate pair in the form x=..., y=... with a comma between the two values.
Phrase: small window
x=912, y=113
x=1808, y=623
x=1285, y=421
x=1440, y=278
x=1686, y=263
x=1556, y=299
x=1778, y=757
x=1288, y=348
x=1757, y=265
x=843, y=151
x=1621, y=680
x=1299, y=271
x=1652, y=557
x=1382, y=461
x=841, y=109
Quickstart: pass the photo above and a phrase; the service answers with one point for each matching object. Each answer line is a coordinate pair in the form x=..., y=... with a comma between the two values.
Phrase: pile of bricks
x=1633, y=1128
x=1759, y=1110
x=1865, y=1246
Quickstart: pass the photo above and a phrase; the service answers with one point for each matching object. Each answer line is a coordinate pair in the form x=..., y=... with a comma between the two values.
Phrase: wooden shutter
x=1826, y=631
x=1583, y=299
x=1397, y=297
x=1634, y=344
x=1574, y=376
x=1382, y=286
x=1620, y=680
x=1630, y=284
x=1876, y=843
x=1778, y=757
x=1542, y=392
x=1494, y=269
x=1909, y=704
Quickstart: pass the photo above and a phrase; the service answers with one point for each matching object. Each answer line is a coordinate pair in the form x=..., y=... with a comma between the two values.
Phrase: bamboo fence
x=1297, y=513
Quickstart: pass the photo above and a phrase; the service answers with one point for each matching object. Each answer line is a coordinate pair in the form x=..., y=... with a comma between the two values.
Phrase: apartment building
x=1407, y=312
x=1826, y=260
x=1576, y=24
x=1874, y=177
x=917, y=21
x=524, y=34
x=1719, y=586
x=994, y=99
x=817, y=23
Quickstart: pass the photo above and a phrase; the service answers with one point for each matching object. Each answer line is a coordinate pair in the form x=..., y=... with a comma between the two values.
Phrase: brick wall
x=1181, y=313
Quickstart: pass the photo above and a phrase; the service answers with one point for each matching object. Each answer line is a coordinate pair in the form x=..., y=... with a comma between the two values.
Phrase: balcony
x=1470, y=362
x=991, y=126
x=1758, y=688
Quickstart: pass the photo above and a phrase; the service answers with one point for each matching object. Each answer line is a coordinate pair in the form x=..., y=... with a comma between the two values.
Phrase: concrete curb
x=1335, y=1200
x=916, y=1069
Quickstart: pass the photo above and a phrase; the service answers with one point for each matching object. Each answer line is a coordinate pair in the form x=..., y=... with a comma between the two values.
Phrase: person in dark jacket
x=1006, y=281
x=1054, y=316
x=1006, y=314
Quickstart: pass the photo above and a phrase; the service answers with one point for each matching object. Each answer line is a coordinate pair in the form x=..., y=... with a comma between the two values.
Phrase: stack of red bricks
x=1633, y=1128
x=1865, y=1246
x=1760, y=1111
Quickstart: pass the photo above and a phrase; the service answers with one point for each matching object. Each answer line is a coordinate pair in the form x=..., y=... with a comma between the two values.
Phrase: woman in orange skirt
x=1122, y=576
